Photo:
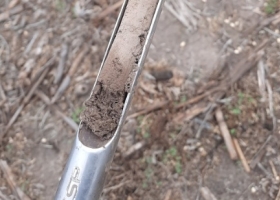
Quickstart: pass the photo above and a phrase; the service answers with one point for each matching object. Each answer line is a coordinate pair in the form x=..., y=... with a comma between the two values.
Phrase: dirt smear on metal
x=104, y=107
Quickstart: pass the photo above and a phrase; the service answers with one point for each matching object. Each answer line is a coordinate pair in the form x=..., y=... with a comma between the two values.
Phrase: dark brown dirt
x=103, y=111
x=104, y=107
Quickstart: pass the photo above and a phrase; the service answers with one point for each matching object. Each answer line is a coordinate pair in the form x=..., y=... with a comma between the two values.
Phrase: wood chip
x=225, y=133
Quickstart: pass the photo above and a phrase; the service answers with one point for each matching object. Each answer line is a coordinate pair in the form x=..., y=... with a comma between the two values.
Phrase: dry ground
x=178, y=159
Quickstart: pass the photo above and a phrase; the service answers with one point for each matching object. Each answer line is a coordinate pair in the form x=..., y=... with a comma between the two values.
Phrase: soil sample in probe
x=104, y=107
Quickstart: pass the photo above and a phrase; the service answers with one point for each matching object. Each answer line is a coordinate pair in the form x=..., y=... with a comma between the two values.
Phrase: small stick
x=31, y=43
x=209, y=111
x=271, y=104
x=257, y=157
x=77, y=62
x=68, y=120
x=2, y=93
x=47, y=101
x=261, y=78
x=241, y=155
x=5, y=15
x=148, y=110
x=60, y=68
x=276, y=176
x=191, y=112
x=198, y=98
x=66, y=81
x=10, y=179
x=63, y=86
x=134, y=148
x=43, y=97
x=207, y=194
x=13, y=3
x=168, y=195
x=265, y=171
x=278, y=195
x=115, y=187
x=226, y=134
x=109, y=10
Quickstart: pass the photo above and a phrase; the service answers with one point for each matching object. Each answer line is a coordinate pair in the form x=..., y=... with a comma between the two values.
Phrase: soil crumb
x=104, y=107
x=103, y=111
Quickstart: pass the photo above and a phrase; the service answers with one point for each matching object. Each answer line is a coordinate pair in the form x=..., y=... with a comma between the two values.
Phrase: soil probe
x=107, y=106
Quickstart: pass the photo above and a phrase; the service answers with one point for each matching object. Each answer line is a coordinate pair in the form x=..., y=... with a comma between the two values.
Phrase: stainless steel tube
x=87, y=166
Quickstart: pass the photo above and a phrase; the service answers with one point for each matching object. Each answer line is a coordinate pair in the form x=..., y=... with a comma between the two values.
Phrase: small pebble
x=253, y=189
x=182, y=44
x=44, y=140
x=278, y=40
x=202, y=151
x=238, y=50
x=227, y=21
x=81, y=89
x=11, y=140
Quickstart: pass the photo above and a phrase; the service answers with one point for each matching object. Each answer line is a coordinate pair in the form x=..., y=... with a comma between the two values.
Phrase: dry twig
x=109, y=10
x=13, y=3
x=271, y=104
x=226, y=134
x=47, y=101
x=168, y=195
x=60, y=68
x=207, y=194
x=68, y=120
x=25, y=101
x=152, y=108
x=257, y=157
x=134, y=148
x=241, y=155
x=191, y=112
x=278, y=195
x=184, y=12
x=274, y=171
x=199, y=97
x=66, y=81
x=10, y=179
x=115, y=187
x=5, y=15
